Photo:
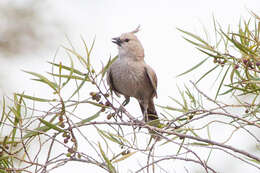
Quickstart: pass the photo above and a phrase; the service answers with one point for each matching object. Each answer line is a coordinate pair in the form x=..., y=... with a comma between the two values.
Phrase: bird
x=130, y=76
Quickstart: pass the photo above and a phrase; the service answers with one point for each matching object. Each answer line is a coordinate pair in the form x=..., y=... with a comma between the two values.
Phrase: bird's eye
x=126, y=40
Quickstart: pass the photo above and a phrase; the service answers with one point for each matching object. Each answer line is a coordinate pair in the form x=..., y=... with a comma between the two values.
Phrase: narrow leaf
x=89, y=118
x=109, y=137
x=109, y=164
x=221, y=83
x=44, y=80
x=193, y=68
x=35, y=98
x=52, y=126
x=206, y=74
x=68, y=68
x=3, y=111
x=124, y=157
x=194, y=36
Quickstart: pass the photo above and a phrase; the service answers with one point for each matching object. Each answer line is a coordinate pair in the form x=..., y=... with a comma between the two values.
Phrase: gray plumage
x=130, y=76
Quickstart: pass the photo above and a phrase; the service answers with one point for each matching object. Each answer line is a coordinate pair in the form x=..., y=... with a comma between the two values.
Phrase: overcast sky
x=165, y=50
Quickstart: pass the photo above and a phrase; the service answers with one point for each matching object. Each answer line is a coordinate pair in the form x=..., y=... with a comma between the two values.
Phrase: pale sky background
x=165, y=50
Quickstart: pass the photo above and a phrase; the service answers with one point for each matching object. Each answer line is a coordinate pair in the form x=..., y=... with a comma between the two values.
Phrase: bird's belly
x=131, y=81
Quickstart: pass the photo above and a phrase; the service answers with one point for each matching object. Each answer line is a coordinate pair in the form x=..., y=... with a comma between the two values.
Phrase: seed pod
x=61, y=118
x=64, y=134
x=66, y=140
x=245, y=61
x=107, y=103
x=92, y=94
x=79, y=156
x=103, y=109
x=73, y=140
x=62, y=125
x=109, y=116
x=70, y=150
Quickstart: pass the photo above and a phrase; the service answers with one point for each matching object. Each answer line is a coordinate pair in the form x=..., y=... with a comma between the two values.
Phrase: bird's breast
x=129, y=78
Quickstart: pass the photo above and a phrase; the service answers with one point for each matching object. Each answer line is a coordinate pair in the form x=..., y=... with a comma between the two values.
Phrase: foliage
x=236, y=53
x=59, y=133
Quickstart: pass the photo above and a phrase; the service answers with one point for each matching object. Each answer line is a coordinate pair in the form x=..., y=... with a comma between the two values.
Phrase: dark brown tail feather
x=152, y=114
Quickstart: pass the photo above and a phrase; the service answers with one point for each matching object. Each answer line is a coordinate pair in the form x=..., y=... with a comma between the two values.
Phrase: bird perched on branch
x=130, y=76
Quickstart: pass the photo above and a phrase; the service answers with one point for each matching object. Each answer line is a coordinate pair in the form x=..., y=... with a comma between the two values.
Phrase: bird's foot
x=120, y=111
x=127, y=100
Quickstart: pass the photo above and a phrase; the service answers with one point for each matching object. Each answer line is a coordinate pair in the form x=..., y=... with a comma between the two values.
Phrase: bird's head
x=129, y=45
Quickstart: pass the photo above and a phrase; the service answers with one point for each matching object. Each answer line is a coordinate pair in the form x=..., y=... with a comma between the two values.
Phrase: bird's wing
x=111, y=83
x=152, y=78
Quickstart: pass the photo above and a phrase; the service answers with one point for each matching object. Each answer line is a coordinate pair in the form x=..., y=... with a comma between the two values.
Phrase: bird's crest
x=136, y=30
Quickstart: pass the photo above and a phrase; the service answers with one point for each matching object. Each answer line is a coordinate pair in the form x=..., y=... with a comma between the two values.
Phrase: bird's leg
x=145, y=118
x=127, y=99
x=145, y=113
x=125, y=102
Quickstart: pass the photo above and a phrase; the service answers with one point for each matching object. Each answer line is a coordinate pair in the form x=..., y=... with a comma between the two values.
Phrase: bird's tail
x=152, y=114
x=152, y=117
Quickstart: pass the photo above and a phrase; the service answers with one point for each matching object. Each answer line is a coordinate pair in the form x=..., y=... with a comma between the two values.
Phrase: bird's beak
x=117, y=41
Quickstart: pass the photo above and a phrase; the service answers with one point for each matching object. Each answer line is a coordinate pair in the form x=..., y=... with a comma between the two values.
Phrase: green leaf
x=35, y=98
x=67, y=76
x=185, y=105
x=200, y=45
x=181, y=145
x=237, y=88
x=108, y=162
x=206, y=74
x=199, y=144
x=87, y=52
x=4, y=157
x=89, y=118
x=40, y=130
x=52, y=126
x=37, y=131
x=80, y=58
x=253, y=160
x=193, y=68
x=232, y=75
x=68, y=68
x=79, y=87
x=91, y=47
x=176, y=101
x=109, y=136
x=104, y=70
x=3, y=112
x=226, y=92
x=96, y=104
x=43, y=79
x=71, y=71
x=193, y=132
x=241, y=47
x=171, y=108
x=221, y=83
x=209, y=54
x=124, y=157
x=194, y=36
x=16, y=121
